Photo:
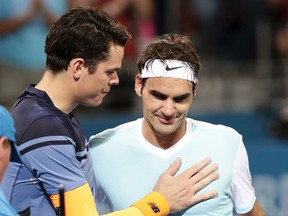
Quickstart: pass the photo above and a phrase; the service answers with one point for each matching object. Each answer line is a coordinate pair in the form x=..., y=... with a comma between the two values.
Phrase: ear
x=77, y=66
x=3, y=145
x=138, y=85
x=3, y=140
x=196, y=86
x=4, y=150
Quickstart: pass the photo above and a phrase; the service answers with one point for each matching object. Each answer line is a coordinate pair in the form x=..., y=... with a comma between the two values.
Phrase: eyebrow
x=159, y=94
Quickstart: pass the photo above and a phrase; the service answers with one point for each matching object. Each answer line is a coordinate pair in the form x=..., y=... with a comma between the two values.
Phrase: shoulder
x=35, y=120
x=215, y=130
x=118, y=132
x=210, y=126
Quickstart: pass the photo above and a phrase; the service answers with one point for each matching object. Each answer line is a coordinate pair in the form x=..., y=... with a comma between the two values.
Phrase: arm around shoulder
x=153, y=204
x=163, y=200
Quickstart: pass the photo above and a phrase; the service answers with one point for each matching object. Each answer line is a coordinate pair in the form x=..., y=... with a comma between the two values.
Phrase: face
x=166, y=102
x=93, y=87
x=5, y=152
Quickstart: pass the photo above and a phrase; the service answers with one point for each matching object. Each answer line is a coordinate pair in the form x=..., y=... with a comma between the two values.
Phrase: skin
x=166, y=102
x=255, y=211
x=5, y=152
x=77, y=85
x=190, y=181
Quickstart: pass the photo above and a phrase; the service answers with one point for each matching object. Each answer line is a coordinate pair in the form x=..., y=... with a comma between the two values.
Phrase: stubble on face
x=166, y=102
x=98, y=84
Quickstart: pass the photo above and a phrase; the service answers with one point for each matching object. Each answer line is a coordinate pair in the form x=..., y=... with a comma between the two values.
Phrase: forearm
x=153, y=204
x=78, y=201
x=132, y=211
x=255, y=211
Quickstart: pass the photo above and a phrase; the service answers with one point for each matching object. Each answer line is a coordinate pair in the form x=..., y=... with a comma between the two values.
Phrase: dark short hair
x=170, y=46
x=83, y=32
x=173, y=47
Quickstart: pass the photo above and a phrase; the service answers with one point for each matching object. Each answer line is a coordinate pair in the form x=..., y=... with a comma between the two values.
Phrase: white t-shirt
x=127, y=166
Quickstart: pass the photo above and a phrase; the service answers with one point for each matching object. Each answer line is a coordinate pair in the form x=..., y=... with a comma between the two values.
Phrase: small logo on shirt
x=172, y=68
x=154, y=207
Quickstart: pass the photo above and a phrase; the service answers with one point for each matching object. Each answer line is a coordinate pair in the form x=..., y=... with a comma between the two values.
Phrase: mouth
x=166, y=121
x=105, y=92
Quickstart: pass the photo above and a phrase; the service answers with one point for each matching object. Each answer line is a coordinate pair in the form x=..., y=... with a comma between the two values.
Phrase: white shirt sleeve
x=243, y=193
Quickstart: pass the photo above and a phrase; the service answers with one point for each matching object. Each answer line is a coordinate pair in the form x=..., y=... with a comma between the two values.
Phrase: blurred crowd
x=25, y=24
x=237, y=31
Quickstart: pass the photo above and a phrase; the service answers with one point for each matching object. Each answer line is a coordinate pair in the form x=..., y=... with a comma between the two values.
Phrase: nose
x=168, y=108
x=114, y=80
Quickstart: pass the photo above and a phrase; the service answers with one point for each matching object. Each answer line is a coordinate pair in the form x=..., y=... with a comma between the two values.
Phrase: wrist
x=153, y=204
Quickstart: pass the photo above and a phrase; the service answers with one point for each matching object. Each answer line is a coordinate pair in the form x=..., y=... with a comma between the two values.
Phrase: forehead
x=169, y=85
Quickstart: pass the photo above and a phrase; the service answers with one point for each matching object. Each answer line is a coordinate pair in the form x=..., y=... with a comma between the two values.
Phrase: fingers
x=204, y=177
x=181, y=190
x=199, y=176
x=195, y=168
x=174, y=167
x=204, y=173
x=205, y=196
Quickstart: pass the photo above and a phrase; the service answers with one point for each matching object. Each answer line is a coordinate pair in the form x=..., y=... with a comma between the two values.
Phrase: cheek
x=92, y=88
x=183, y=110
x=95, y=81
x=151, y=105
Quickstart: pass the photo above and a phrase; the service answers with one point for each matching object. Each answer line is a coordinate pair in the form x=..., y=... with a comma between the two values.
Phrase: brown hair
x=173, y=47
x=86, y=33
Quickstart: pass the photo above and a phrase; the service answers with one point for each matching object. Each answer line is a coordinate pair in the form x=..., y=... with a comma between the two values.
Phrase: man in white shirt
x=132, y=155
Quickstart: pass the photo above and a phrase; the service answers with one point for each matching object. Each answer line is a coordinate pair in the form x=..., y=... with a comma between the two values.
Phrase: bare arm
x=180, y=190
x=255, y=211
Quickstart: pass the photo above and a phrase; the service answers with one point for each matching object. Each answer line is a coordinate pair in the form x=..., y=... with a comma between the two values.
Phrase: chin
x=97, y=103
x=92, y=103
x=164, y=132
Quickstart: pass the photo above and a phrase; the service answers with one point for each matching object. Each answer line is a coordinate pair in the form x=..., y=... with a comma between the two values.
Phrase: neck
x=163, y=141
x=58, y=89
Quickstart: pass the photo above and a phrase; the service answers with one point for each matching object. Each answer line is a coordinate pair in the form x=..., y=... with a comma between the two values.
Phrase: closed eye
x=158, y=95
x=112, y=71
x=181, y=98
x=177, y=99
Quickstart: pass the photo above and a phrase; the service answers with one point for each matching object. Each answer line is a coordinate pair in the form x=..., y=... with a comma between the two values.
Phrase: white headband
x=168, y=68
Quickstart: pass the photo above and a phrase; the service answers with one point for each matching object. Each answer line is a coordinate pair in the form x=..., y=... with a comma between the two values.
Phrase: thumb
x=174, y=167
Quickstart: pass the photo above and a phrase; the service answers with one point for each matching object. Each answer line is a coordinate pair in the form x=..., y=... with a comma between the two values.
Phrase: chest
x=131, y=171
